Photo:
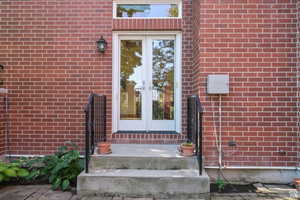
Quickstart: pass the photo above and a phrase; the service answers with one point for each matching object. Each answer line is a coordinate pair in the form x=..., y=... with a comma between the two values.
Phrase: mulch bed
x=23, y=182
x=233, y=188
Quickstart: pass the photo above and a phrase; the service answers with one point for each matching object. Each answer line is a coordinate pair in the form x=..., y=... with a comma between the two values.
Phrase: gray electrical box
x=218, y=84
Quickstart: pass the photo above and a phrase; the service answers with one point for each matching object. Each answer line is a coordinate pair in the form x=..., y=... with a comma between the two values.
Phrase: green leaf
x=81, y=164
x=59, y=166
x=14, y=164
x=10, y=173
x=33, y=174
x=52, y=178
x=56, y=184
x=65, y=185
x=220, y=184
x=33, y=163
x=6, y=178
x=61, y=151
x=22, y=173
x=1, y=177
x=15, y=168
x=2, y=168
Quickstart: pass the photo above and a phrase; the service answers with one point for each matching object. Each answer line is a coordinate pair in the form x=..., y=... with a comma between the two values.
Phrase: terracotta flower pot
x=297, y=183
x=187, y=150
x=104, y=148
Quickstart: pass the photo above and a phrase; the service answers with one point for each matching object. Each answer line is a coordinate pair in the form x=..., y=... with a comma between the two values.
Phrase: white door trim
x=115, y=74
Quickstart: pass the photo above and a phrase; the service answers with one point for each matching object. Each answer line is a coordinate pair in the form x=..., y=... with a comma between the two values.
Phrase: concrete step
x=179, y=184
x=150, y=163
x=143, y=156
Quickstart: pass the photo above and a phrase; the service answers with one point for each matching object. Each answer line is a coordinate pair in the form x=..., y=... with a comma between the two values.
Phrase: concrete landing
x=144, y=150
x=139, y=156
x=145, y=173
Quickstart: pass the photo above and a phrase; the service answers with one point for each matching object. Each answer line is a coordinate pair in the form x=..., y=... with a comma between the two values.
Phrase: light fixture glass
x=101, y=45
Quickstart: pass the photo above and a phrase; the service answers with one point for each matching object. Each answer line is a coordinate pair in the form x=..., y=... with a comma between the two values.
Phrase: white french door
x=147, y=90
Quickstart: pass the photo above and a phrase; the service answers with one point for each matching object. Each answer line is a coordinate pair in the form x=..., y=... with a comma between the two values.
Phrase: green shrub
x=60, y=169
x=12, y=170
x=220, y=184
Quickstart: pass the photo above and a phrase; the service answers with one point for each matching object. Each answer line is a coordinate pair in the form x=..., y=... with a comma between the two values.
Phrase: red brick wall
x=298, y=79
x=147, y=24
x=49, y=50
x=255, y=43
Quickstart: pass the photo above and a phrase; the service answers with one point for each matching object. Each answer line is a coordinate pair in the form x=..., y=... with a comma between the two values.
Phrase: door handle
x=144, y=85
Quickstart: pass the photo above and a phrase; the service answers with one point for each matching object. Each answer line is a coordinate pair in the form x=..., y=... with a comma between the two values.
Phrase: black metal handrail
x=195, y=113
x=95, y=124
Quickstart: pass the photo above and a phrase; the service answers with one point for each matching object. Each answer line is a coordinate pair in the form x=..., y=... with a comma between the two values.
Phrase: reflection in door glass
x=147, y=10
x=131, y=80
x=163, y=79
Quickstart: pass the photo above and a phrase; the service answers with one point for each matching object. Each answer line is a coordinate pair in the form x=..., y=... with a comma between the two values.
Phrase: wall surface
x=258, y=175
x=254, y=42
x=48, y=48
x=298, y=78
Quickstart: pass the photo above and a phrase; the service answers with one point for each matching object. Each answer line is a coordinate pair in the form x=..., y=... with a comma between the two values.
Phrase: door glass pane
x=163, y=79
x=131, y=80
x=147, y=10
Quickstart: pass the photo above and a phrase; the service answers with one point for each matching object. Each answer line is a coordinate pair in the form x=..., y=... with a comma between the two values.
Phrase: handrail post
x=95, y=124
x=200, y=122
x=195, y=112
x=200, y=136
x=92, y=121
x=87, y=139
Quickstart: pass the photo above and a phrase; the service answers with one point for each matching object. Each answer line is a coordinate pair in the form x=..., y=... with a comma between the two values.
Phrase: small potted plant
x=297, y=183
x=187, y=149
x=104, y=148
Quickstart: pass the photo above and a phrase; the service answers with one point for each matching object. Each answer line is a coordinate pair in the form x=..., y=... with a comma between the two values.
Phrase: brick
x=259, y=38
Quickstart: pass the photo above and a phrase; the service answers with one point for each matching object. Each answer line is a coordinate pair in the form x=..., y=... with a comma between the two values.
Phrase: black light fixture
x=1, y=70
x=101, y=45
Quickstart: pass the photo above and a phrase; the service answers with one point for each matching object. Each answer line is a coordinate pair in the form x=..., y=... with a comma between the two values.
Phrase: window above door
x=147, y=9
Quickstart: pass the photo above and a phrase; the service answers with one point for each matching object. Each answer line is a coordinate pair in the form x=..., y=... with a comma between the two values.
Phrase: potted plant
x=297, y=183
x=104, y=147
x=187, y=149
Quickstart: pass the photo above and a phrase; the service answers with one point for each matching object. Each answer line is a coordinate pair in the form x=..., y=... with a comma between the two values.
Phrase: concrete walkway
x=44, y=192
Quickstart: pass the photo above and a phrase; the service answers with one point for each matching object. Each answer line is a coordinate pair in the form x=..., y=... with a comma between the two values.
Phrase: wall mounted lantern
x=101, y=45
x=1, y=70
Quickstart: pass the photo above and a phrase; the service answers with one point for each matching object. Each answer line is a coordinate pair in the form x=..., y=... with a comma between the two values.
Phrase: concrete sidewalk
x=44, y=192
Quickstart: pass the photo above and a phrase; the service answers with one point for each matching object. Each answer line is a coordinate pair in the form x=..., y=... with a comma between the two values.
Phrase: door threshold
x=148, y=132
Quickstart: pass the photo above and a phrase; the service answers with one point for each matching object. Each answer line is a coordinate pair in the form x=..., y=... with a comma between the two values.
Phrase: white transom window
x=147, y=9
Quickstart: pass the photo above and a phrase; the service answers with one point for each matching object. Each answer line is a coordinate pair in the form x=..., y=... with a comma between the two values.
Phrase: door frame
x=115, y=73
